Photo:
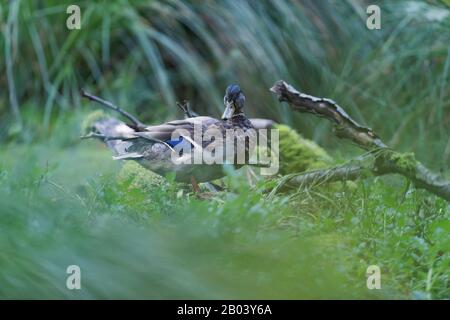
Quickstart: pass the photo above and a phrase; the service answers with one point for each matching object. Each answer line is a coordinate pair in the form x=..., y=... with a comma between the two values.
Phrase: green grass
x=65, y=202
x=72, y=206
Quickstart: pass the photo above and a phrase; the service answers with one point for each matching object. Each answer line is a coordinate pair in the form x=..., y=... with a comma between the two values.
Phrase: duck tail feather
x=128, y=156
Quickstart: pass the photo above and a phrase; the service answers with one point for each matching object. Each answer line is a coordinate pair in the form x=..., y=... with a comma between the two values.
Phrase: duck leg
x=251, y=176
x=195, y=185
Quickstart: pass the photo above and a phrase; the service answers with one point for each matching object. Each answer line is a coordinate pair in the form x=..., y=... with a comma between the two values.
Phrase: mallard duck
x=153, y=146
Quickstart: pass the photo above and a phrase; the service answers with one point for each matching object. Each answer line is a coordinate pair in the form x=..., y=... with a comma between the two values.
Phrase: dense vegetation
x=64, y=201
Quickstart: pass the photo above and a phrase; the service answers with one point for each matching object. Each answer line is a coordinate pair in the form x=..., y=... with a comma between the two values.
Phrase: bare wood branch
x=138, y=124
x=345, y=126
x=386, y=161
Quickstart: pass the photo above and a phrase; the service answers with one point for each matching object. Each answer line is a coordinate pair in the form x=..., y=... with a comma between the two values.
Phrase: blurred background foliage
x=145, y=55
x=62, y=203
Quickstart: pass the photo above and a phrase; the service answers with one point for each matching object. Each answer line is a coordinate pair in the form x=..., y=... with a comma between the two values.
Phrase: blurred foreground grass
x=64, y=206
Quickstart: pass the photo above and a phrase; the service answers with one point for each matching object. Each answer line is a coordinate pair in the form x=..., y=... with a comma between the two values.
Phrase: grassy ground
x=66, y=202
x=132, y=238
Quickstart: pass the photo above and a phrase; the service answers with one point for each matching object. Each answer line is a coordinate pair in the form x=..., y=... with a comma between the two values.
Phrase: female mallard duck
x=153, y=146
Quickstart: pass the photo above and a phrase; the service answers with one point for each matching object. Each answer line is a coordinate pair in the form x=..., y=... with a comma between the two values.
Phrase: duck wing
x=164, y=132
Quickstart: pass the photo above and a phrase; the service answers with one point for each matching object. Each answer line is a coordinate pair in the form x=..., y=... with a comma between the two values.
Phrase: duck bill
x=229, y=111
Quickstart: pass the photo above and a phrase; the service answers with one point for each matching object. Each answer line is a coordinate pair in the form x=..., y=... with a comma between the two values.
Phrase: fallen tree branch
x=406, y=165
x=351, y=171
x=345, y=126
x=386, y=161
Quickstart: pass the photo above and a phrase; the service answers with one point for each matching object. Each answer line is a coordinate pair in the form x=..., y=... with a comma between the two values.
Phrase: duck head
x=233, y=100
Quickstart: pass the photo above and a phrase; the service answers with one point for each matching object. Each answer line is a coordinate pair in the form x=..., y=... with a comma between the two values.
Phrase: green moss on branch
x=405, y=161
x=298, y=154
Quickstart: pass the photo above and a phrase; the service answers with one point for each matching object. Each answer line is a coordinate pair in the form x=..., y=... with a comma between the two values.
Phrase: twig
x=386, y=161
x=138, y=124
x=105, y=137
x=186, y=108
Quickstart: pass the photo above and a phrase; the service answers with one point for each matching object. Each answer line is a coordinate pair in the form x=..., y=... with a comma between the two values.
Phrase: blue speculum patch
x=173, y=143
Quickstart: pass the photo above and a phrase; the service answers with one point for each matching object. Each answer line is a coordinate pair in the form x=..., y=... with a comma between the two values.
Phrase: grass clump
x=136, y=177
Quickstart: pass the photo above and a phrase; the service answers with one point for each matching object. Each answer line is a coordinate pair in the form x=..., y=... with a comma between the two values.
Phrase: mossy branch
x=347, y=172
x=386, y=161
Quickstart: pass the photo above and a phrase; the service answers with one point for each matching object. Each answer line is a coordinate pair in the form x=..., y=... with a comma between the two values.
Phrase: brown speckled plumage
x=150, y=147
